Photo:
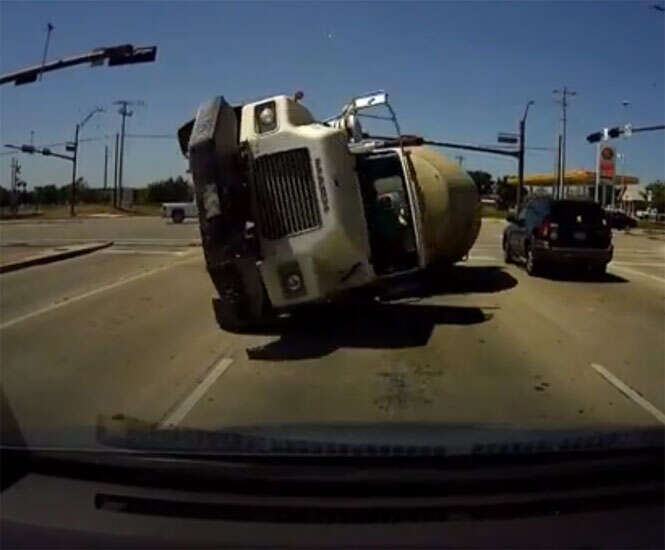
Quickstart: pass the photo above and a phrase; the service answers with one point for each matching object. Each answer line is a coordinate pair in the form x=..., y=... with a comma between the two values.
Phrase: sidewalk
x=657, y=234
x=19, y=256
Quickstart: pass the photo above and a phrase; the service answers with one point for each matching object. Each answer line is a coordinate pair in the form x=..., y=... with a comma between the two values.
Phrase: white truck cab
x=294, y=211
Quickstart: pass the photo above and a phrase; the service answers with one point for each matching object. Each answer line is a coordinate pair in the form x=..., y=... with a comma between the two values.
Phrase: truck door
x=388, y=212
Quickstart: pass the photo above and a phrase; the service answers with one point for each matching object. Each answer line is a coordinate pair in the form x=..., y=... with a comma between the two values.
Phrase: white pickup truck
x=178, y=211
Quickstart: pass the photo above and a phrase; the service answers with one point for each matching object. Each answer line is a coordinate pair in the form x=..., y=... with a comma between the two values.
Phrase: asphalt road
x=129, y=330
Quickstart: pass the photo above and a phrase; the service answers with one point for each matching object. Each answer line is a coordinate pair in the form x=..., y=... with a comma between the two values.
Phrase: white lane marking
x=628, y=392
x=199, y=391
x=646, y=264
x=621, y=268
x=138, y=251
x=88, y=294
x=55, y=242
x=484, y=258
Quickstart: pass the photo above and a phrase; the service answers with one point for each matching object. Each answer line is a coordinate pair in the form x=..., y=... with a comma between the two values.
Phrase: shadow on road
x=458, y=279
x=583, y=277
x=377, y=326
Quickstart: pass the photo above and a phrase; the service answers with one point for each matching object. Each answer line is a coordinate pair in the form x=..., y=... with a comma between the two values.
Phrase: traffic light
x=615, y=132
x=28, y=149
x=128, y=54
x=595, y=137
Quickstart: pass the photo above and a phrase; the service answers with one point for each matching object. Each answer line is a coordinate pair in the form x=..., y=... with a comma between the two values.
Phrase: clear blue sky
x=454, y=71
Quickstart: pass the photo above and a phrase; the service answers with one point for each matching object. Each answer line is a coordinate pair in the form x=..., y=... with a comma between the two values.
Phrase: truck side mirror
x=511, y=218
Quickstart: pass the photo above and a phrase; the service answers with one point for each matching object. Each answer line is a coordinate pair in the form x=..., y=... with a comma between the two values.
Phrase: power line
x=152, y=136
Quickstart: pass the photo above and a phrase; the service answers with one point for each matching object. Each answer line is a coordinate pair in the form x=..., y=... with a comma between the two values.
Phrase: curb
x=55, y=257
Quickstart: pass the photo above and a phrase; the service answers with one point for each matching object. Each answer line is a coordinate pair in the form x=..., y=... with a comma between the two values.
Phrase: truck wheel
x=239, y=309
x=177, y=216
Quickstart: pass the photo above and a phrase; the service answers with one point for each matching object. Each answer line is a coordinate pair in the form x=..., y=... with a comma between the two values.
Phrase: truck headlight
x=292, y=280
x=265, y=117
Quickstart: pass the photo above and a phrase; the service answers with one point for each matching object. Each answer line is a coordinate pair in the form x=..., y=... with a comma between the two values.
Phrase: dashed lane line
x=628, y=392
x=187, y=404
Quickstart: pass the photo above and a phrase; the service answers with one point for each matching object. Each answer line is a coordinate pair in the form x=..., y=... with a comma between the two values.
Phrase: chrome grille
x=285, y=194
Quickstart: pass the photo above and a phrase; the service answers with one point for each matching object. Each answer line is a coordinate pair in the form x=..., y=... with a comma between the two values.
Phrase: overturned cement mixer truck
x=293, y=211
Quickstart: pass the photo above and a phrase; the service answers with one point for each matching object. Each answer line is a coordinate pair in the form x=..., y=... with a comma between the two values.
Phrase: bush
x=170, y=190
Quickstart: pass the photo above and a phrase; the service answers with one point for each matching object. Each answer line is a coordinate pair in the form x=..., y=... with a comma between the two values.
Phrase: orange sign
x=606, y=161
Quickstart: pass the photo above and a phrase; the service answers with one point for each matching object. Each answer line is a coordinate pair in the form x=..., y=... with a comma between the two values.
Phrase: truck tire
x=178, y=216
x=243, y=305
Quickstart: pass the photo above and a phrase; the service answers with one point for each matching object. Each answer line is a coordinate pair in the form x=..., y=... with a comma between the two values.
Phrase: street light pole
x=520, y=158
x=72, y=194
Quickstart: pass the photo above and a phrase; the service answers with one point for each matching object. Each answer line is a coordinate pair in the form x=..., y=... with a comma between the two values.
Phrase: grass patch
x=59, y=211
x=493, y=212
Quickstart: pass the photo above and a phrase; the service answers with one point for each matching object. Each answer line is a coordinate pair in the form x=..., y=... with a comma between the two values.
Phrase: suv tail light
x=548, y=229
x=543, y=230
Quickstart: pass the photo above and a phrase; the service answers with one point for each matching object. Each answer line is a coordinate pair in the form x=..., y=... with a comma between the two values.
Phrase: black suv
x=548, y=231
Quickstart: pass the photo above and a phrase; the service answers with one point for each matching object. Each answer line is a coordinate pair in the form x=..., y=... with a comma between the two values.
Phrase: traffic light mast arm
x=116, y=55
x=32, y=150
x=409, y=140
x=615, y=132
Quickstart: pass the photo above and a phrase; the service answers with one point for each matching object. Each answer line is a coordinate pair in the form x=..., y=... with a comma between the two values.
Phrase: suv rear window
x=587, y=213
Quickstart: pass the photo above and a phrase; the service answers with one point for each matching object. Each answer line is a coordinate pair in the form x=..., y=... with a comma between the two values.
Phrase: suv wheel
x=507, y=256
x=532, y=267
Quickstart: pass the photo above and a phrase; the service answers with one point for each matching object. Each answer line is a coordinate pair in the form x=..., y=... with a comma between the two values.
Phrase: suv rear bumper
x=564, y=255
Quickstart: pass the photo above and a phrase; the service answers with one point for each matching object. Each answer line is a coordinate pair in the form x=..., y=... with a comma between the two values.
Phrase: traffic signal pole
x=520, y=157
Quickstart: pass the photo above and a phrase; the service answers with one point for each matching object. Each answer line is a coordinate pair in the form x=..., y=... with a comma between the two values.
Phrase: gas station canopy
x=575, y=177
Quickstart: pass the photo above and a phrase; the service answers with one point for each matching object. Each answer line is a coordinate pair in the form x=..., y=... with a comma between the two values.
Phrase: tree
x=170, y=190
x=483, y=181
x=46, y=194
x=507, y=193
x=657, y=191
x=4, y=196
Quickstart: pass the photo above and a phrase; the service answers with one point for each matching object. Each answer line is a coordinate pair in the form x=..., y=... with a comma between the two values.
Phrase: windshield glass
x=210, y=232
x=577, y=212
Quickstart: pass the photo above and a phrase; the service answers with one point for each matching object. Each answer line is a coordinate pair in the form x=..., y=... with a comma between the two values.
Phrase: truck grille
x=286, y=198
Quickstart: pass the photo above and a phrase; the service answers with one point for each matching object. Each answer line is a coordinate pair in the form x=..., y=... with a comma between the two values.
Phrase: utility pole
x=72, y=194
x=16, y=169
x=115, y=172
x=74, y=148
x=564, y=93
x=124, y=113
x=459, y=159
x=106, y=165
